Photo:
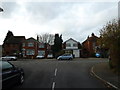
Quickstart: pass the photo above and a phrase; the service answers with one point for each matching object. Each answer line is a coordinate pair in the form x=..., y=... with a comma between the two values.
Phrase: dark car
x=65, y=57
x=11, y=75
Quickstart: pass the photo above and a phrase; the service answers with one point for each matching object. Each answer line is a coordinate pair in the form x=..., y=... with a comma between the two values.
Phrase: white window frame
x=23, y=44
x=30, y=52
x=30, y=44
x=41, y=52
x=68, y=45
x=41, y=46
x=75, y=45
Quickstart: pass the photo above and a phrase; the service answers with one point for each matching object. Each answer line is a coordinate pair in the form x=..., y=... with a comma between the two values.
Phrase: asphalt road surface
x=52, y=73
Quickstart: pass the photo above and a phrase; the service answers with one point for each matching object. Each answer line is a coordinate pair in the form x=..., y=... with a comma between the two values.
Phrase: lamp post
x=1, y=10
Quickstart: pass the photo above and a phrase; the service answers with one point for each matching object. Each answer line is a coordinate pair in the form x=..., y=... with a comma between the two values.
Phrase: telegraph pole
x=1, y=10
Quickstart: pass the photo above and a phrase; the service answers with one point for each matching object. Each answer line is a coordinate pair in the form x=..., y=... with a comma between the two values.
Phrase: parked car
x=65, y=57
x=97, y=55
x=11, y=75
x=8, y=58
x=40, y=56
x=50, y=56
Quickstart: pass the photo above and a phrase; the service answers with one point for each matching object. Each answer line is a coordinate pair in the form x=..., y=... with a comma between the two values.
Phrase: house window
x=74, y=45
x=68, y=45
x=23, y=52
x=41, y=46
x=30, y=44
x=41, y=52
x=23, y=45
x=30, y=52
x=94, y=44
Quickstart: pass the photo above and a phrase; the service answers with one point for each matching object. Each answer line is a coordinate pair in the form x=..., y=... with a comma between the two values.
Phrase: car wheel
x=12, y=59
x=21, y=79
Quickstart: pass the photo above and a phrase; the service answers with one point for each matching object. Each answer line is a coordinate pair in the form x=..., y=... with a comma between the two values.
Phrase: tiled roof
x=15, y=40
x=31, y=40
x=92, y=38
x=70, y=39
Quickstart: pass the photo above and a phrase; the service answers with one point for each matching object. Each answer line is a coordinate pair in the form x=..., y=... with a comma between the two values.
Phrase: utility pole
x=1, y=10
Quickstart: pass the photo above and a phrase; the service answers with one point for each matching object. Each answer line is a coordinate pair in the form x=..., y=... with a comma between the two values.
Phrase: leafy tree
x=9, y=34
x=110, y=38
x=57, y=47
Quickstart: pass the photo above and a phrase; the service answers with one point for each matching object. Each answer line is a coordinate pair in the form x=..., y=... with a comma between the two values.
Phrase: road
x=53, y=74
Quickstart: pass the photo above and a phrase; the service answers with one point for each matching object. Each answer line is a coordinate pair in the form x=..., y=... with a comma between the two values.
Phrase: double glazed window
x=30, y=52
x=41, y=46
x=41, y=52
x=30, y=44
x=68, y=45
x=23, y=44
x=74, y=45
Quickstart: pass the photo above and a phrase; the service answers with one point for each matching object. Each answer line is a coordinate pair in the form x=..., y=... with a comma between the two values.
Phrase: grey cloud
x=101, y=6
x=46, y=11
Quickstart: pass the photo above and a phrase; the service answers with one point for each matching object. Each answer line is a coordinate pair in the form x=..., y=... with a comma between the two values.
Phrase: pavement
x=102, y=72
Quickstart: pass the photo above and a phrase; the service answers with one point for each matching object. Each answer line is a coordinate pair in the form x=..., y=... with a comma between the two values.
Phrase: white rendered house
x=71, y=46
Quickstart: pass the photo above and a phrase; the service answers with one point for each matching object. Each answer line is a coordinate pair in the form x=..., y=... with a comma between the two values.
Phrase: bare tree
x=46, y=38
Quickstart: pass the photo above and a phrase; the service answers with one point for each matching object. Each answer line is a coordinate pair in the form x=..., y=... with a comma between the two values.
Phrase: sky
x=75, y=19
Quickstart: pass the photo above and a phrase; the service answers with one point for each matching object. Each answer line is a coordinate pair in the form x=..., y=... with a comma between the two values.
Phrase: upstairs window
x=23, y=45
x=74, y=45
x=30, y=44
x=68, y=45
x=41, y=46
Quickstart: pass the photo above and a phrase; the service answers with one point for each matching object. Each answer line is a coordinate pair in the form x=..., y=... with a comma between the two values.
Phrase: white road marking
x=53, y=85
x=108, y=83
x=55, y=72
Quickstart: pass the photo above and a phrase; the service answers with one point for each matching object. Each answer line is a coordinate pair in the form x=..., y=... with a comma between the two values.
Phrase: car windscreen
x=6, y=65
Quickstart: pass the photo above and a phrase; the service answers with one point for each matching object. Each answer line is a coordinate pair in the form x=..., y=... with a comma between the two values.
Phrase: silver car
x=65, y=57
x=8, y=58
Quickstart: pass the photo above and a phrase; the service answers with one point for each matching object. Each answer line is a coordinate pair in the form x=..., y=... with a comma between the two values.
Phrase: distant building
x=13, y=46
x=72, y=46
x=32, y=47
x=90, y=46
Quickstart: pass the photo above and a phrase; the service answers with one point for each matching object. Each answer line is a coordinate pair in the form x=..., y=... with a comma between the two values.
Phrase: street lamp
x=1, y=10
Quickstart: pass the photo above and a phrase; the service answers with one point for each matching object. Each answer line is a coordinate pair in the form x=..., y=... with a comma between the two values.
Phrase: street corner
x=102, y=72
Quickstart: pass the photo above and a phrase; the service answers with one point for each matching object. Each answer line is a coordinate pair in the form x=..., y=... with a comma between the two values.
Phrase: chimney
x=92, y=34
x=37, y=38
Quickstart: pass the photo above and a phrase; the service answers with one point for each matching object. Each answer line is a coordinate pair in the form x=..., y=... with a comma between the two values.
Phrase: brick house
x=32, y=47
x=42, y=49
x=90, y=46
x=72, y=46
x=13, y=46
x=29, y=48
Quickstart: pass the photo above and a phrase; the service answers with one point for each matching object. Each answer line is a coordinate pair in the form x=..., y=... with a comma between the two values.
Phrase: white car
x=50, y=56
x=8, y=58
x=40, y=56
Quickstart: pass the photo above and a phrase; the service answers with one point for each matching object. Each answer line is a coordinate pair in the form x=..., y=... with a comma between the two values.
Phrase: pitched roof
x=31, y=39
x=92, y=38
x=72, y=40
x=15, y=40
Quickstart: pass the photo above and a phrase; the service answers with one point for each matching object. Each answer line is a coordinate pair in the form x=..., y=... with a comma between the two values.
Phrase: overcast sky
x=73, y=19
